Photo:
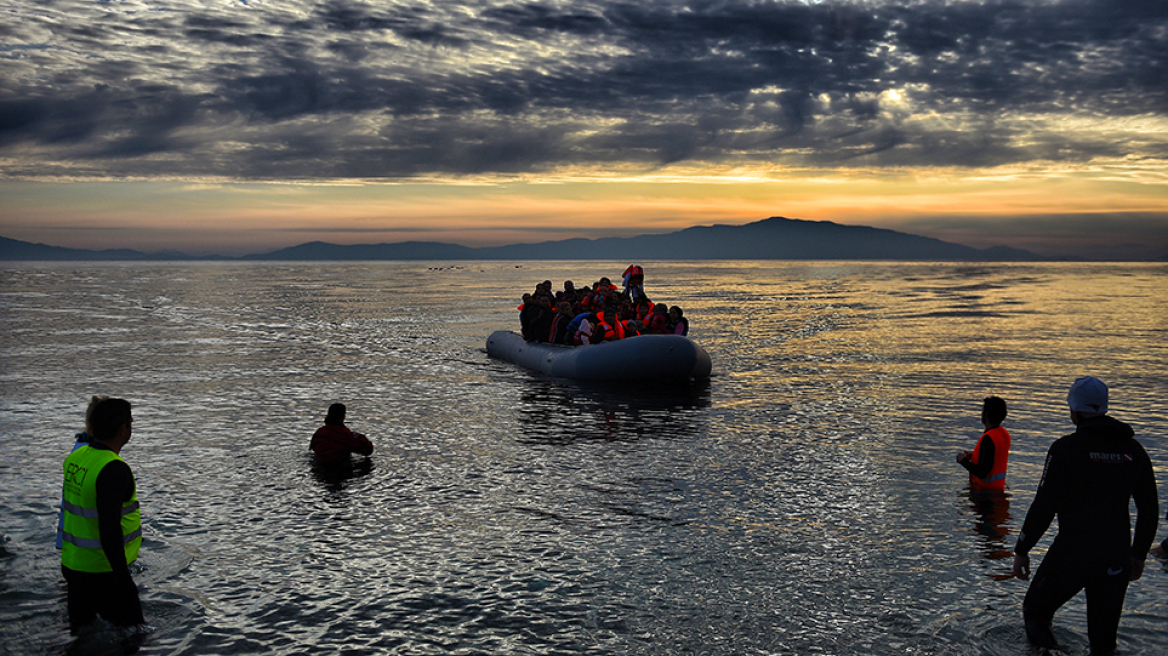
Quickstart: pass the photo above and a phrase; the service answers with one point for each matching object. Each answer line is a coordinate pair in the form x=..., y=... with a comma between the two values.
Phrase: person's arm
x=1040, y=515
x=114, y=486
x=1147, y=513
x=362, y=445
x=985, y=462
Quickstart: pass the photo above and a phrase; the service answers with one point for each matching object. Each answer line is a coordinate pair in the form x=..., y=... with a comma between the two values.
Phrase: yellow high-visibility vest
x=81, y=548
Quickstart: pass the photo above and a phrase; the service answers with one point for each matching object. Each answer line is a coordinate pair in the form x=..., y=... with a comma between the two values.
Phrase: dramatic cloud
x=400, y=90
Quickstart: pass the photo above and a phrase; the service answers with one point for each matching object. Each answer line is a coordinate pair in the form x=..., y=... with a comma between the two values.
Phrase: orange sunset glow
x=267, y=127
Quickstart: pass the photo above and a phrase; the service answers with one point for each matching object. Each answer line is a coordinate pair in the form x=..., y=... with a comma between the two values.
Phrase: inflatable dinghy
x=642, y=358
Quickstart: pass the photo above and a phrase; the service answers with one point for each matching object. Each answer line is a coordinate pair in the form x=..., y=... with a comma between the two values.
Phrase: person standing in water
x=79, y=440
x=1089, y=480
x=102, y=530
x=333, y=442
x=988, y=460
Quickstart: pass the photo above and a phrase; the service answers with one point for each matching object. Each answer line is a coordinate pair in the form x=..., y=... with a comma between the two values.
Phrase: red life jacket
x=658, y=324
x=996, y=479
x=555, y=325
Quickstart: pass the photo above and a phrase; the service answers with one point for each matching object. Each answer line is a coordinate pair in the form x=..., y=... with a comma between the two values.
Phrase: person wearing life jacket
x=643, y=309
x=102, y=531
x=634, y=282
x=558, y=331
x=79, y=440
x=587, y=300
x=658, y=323
x=610, y=326
x=988, y=460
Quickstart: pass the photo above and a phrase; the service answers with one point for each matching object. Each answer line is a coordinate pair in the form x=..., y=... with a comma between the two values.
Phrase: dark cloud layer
x=347, y=89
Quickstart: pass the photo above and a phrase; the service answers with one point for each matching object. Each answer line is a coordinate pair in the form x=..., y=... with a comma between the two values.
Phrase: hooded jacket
x=1088, y=481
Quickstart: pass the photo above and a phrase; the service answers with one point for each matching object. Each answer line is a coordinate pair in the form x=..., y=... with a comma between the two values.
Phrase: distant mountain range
x=776, y=238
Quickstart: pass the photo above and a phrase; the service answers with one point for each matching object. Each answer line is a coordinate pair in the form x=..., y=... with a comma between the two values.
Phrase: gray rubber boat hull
x=643, y=358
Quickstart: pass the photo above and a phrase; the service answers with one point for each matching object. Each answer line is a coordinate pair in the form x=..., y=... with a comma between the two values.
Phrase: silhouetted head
x=336, y=415
x=108, y=418
x=993, y=411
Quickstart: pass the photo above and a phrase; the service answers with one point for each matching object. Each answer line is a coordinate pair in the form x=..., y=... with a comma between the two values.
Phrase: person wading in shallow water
x=333, y=442
x=987, y=462
x=102, y=531
x=1088, y=481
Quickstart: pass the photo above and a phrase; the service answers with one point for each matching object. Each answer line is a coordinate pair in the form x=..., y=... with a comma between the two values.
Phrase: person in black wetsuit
x=1088, y=481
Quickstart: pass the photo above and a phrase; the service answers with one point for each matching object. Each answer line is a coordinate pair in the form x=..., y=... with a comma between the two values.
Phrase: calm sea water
x=804, y=501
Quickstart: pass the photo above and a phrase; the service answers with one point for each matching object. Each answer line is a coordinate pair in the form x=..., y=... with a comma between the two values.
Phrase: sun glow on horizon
x=239, y=218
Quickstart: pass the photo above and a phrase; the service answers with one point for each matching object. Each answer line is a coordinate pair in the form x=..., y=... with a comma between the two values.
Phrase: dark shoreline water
x=803, y=501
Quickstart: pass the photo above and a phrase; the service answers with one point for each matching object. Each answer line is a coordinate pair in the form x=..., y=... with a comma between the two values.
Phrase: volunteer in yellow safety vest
x=103, y=528
x=987, y=462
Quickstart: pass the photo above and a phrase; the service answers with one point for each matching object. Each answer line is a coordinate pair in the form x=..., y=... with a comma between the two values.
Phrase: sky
x=242, y=126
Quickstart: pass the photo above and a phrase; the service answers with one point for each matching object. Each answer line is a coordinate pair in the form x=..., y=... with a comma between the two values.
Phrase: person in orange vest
x=987, y=462
x=608, y=326
x=643, y=309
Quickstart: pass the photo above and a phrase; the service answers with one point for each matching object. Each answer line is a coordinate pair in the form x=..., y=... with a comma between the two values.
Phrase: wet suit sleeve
x=1045, y=506
x=1147, y=506
x=114, y=486
x=986, y=454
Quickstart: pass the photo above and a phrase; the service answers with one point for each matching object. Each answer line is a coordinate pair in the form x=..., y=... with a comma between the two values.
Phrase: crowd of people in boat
x=597, y=313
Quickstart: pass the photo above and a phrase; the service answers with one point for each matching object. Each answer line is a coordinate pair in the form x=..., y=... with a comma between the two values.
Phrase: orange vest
x=612, y=329
x=996, y=479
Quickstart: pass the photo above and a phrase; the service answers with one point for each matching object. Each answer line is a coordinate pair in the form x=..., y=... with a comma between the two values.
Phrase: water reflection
x=335, y=477
x=560, y=412
x=991, y=528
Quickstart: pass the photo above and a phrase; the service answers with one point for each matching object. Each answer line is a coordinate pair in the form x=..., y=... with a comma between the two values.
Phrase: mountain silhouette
x=776, y=238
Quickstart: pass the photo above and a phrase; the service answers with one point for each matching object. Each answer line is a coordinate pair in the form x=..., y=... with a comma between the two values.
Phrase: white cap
x=1088, y=394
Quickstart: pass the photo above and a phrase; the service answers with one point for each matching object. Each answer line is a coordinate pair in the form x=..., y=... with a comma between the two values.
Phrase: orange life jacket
x=996, y=479
x=612, y=329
